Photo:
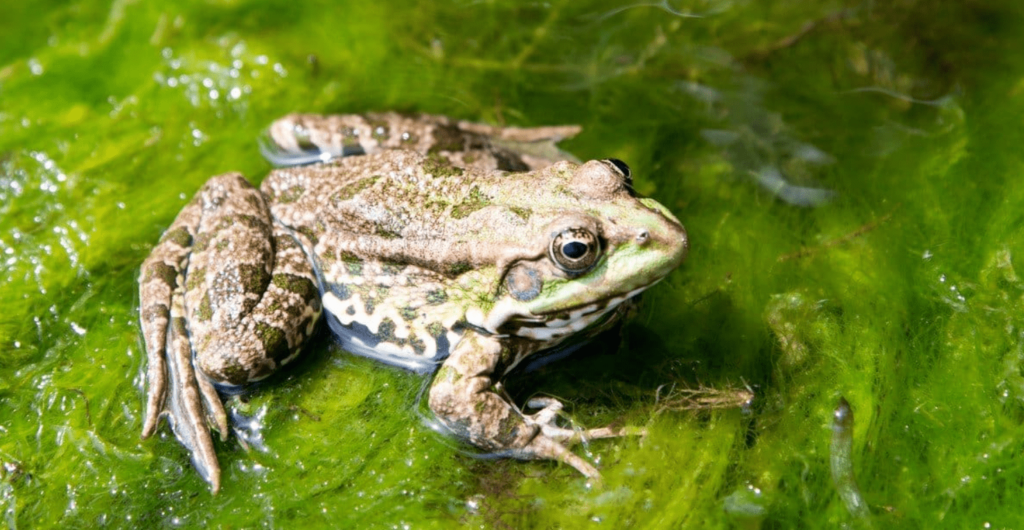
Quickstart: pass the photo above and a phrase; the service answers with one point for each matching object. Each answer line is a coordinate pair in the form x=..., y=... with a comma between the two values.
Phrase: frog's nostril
x=642, y=237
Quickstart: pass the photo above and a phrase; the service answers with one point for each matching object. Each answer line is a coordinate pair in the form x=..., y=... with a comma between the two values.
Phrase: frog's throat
x=511, y=317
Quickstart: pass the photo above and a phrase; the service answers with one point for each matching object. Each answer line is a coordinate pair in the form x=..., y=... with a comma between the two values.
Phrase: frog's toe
x=156, y=394
x=188, y=419
x=545, y=448
x=190, y=429
x=545, y=420
x=549, y=410
x=184, y=404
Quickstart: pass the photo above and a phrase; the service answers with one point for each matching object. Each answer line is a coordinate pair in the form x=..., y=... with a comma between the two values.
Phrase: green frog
x=440, y=246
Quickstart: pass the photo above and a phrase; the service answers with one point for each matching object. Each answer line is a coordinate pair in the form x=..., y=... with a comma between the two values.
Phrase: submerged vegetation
x=848, y=173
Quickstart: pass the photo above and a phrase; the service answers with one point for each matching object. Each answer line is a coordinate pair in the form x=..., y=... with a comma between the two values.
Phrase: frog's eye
x=575, y=250
x=621, y=167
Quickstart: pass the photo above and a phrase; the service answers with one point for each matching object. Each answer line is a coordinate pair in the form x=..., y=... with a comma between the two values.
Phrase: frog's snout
x=663, y=231
x=668, y=239
x=678, y=241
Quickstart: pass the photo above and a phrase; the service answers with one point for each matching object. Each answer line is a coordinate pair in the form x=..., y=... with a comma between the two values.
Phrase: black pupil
x=574, y=250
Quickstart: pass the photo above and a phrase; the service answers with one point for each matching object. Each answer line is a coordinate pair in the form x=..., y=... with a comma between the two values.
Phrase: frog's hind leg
x=239, y=350
x=227, y=297
x=537, y=147
x=173, y=387
x=300, y=139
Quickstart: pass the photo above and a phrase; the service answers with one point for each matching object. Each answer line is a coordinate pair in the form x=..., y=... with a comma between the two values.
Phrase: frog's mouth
x=555, y=326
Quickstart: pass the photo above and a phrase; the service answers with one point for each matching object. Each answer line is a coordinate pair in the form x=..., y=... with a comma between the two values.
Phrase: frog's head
x=596, y=244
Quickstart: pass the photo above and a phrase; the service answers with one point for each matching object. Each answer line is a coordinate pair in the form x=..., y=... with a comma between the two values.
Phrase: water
x=849, y=174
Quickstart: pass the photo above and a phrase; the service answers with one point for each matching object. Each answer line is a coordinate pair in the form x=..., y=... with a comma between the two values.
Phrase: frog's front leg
x=227, y=298
x=464, y=400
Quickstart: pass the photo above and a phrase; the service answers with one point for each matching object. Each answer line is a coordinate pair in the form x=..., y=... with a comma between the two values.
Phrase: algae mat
x=850, y=175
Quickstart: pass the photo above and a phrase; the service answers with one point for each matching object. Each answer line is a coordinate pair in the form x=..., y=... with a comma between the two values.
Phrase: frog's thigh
x=275, y=330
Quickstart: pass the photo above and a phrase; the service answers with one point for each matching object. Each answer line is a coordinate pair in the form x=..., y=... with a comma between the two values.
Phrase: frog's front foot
x=549, y=410
x=463, y=399
x=545, y=448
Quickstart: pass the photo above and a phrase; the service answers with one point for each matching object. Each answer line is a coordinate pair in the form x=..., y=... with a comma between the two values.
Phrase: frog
x=445, y=247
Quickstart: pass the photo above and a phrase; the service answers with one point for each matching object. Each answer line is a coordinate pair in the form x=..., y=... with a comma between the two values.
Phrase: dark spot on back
x=418, y=345
x=341, y=291
x=436, y=329
x=205, y=310
x=353, y=189
x=473, y=202
x=508, y=161
x=195, y=278
x=255, y=202
x=291, y=194
x=447, y=138
x=154, y=312
x=440, y=167
x=202, y=242
x=251, y=221
x=274, y=342
x=178, y=327
x=254, y=278
x=457, y=268
x=386, y=331
x=523, y=213
x=437, y=297
x=163, y=271
x=296, y=284
x=179, y=236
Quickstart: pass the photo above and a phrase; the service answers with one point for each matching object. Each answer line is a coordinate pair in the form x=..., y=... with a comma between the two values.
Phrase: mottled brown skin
x=423, y=246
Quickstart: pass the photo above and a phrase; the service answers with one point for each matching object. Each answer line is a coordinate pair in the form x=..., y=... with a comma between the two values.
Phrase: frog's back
x=404, y=208
x=411, y=250
x=403, y=245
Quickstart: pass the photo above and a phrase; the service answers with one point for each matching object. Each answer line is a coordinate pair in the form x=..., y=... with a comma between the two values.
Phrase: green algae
x=903, y=293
